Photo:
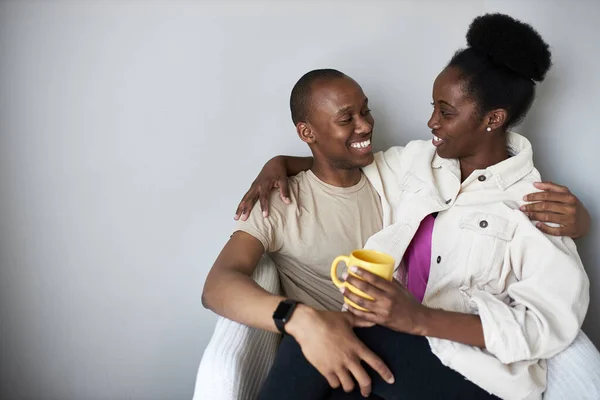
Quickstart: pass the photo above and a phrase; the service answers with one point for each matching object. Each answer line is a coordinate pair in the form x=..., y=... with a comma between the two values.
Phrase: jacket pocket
x=487, y=236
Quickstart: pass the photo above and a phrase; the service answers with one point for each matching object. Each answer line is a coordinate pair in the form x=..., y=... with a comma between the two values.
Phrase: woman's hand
x=396, y=308
x=273, y=175
x=393, y=306
x=556, y=204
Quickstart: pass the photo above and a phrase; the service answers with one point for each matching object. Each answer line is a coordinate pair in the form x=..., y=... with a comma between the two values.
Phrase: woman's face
x=458, y=129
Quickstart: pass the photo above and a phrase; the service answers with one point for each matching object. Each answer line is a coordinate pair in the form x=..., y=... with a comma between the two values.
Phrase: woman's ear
x=495, y=119
x=305, y=132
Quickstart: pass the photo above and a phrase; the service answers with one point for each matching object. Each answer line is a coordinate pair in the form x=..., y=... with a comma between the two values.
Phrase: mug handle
x=334, y=265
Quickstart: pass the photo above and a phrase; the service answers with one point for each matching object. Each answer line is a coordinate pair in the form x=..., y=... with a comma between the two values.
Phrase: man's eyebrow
x=349, y=107
x=343, y=110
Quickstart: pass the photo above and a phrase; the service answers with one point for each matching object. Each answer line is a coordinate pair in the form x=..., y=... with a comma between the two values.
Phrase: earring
x=488, y=129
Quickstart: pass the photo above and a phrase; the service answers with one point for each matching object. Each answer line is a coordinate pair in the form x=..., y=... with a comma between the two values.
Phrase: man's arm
x=556, y=204
x=229, y=289
x=326, y=338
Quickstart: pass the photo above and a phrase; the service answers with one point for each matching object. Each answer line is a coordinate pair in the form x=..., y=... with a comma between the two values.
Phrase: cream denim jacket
x=487, y=258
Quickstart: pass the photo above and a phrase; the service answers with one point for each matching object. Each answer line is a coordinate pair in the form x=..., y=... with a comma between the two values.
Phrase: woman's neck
x=489, y=154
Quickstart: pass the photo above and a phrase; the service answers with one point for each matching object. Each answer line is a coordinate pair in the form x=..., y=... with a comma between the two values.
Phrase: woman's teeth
x=437, y=139
x=359, y=145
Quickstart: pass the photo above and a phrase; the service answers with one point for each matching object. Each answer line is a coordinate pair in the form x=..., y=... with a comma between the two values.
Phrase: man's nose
x=363, y=125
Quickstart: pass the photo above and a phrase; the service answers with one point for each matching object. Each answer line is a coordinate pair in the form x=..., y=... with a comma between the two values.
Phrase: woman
x=498, y=296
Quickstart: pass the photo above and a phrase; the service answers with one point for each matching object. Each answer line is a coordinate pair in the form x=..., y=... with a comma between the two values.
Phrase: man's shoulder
x=278, y=209
x=272, y=230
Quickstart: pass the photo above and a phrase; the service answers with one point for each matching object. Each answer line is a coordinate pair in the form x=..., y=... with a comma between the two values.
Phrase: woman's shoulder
x=524, y=186
x=412, y=148
x=398, y=159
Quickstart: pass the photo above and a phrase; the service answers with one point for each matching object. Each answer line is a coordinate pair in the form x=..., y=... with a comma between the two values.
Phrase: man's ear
x=495, y=119
x=305, y=132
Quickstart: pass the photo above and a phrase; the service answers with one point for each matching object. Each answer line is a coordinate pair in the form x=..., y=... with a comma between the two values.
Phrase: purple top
x=418, y=259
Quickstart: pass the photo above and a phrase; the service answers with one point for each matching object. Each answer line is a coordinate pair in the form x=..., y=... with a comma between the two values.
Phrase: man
x=331, y=115
x=334, y=210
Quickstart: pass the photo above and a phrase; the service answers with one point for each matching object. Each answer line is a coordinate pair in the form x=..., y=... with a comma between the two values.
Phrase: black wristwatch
x=283, y=313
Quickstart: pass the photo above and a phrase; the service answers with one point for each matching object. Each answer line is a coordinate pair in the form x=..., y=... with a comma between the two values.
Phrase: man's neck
x=336, y=176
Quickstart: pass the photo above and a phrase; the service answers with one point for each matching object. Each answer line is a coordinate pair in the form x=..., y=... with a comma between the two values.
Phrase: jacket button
x=483, y=224
x=439, y=259
x=481, y=178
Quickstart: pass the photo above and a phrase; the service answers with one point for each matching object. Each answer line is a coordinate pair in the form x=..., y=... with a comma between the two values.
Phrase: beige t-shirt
x=303, y=238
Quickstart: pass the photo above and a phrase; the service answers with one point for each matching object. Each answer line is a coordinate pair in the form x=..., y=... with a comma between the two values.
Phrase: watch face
x=283, y=310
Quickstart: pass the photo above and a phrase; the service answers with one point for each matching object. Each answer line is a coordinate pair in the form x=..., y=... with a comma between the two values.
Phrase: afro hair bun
x=511, y=43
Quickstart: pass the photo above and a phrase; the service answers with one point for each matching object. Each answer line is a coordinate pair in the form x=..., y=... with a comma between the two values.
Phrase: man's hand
x=556, y=204
x=330, y=345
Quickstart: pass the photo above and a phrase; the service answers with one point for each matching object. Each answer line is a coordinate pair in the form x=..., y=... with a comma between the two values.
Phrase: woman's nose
x=433, y=122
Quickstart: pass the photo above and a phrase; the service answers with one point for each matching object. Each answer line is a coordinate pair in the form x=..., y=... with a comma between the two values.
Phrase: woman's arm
x=548, y=302
x=555, y=204
x=548, y=299
x=274, y=174
x=396, y=308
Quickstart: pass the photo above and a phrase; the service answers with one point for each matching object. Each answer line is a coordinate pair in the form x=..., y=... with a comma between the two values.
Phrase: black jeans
x=418, y=373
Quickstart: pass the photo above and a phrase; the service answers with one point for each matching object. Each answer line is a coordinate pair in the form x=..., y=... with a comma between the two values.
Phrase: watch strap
x=281, y=320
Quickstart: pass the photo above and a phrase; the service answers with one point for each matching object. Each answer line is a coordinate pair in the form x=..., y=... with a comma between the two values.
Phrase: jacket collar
x=507, y=172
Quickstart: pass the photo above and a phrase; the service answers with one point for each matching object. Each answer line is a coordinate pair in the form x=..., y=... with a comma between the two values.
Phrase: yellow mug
x=373, y=261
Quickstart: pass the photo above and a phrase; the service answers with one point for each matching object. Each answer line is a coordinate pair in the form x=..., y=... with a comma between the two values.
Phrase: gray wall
x=129, y=130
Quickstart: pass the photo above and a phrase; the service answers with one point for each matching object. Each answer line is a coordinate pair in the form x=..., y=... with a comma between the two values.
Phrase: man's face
x=341, y=123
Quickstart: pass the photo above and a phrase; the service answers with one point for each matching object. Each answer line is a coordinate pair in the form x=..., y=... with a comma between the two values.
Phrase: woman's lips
x=437, y=141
